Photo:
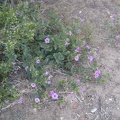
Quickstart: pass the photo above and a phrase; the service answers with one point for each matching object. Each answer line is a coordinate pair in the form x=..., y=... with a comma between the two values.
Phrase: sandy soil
x=96, y=102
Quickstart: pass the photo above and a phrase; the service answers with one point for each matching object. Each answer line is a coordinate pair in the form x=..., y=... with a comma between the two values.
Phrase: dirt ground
x=95, y=102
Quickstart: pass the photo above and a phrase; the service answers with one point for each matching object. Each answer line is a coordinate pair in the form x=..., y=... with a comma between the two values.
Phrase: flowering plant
x=37, y=43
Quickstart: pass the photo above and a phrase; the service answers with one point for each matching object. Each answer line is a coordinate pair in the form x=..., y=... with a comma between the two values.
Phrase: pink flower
x=72, y=95
x=113, y=19
x=6, y=101
x=117, y=37
x=49, y=82
x=38, y=61
x=14, y=103
x=70, y=33
x=20, y=100
x=97, y=73
x=82, y=90
x=33, y=85
x=78, y=81
x=87, y=46
x=77, y=58
x=67, y=43
x=37, y=100
x=55, y=96
x=47, y=40
x=26, y=68
x=46, y=73
x=77, y=49
x=90, y=58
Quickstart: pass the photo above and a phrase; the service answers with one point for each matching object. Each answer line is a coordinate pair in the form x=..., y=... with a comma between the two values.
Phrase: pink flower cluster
x=54, y=95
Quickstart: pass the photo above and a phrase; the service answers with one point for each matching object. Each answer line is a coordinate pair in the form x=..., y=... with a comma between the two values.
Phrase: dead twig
x=78, y=98
x=10, y=105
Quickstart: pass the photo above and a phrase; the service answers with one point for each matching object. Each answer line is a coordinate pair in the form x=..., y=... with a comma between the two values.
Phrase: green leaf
x=58, y=56
x=35, y=95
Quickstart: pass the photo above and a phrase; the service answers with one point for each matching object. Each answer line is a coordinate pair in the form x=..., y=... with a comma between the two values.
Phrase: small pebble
x=110, y=99
x=93, y=110
x=80, y=12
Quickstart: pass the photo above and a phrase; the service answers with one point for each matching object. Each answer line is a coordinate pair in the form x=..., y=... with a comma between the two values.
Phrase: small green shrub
x=37, y=42
x=113, y=26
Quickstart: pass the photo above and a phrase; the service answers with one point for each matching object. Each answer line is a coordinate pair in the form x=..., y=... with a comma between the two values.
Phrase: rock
x=94, y=110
